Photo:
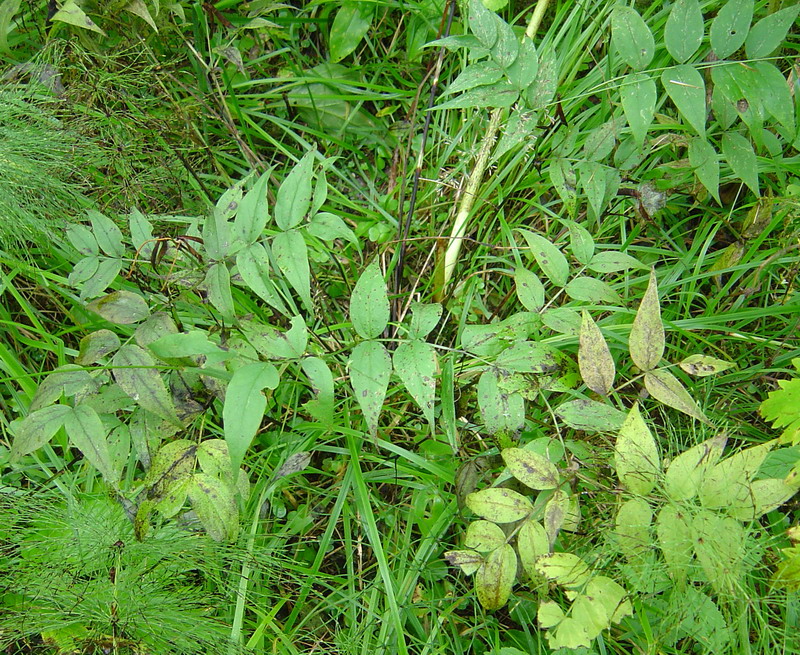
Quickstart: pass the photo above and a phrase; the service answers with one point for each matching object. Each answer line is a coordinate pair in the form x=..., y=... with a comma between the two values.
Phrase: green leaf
x=495, y=578
x=686, y=89
x=499, y=94
x=84, y=270
x=664, y=386
x=530, y=290
x=291, y=256
x=83, y=240
x=187, y=344
x=505, y=51
x=215, y=505
x=96, y=345
x=646, y=342
x=528, y=357
x=72, y=14
x=705, y=162
x=244, y=407
x=294, y=195
x=730, y=27
x=767, y=34
x=321, y=379
x=369, y=304
x=217, y=229
x=141, y=234
x=703, y=365
x=600, y=183
x=589, y=289
x=424, y=318
x=673, y=528
x=108, y=235
x=742, y=159
x=631, y=37
x=155, y=327
x=252, y=214
x=370, y=368
x=121, y=307
x=600, y=141
x=218, y=283
x=532, y=543
x=252, y=263
x=484, y=536
x=590, y=416
x=763, y=496
x=689, y=469
x=775, y=93
x=613, y=261
x=135, y=372
x=86, y=432
x=728, y=483
x=351, y=24
x=36, y=429
x=522, y=73
x=8, y=9
x=474, y=75
x=138, y=8
x=594, y=358
x=468, y=561
x=683, y=32
x=636, y=454
x=68, y=380
x=482, y=23
x=719, y=546
x=543, y=90
x=501, y=411
x=562, y=320
x=632, y=528
x=415, y=364
x=329, y=227
x=580, y=241
x=531, y=469
x=782, y=407
x=565, y=569
x=106, y=273
x=499, y=505
x=550, y=259
x=639, y=104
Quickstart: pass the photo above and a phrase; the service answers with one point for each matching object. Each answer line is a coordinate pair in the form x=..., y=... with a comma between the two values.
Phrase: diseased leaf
x=664, y=386
x=532, y=543
x=550, y=259
x=499, y=505
x=730, y=27
x=72, y=14
x=591, y=290
x=555, y=512
x=424, y=318
x=728, y=483
x=594, y=358
x=580, y=241
x=530, y=289
x=321, y=379
x=135, y=372
x=687, y=471
x=68, y=380
x=646, y=341
x=683, y=32
x=532, y=469
x=495, y=578
x=499, y=94
x=612, y=261
x=484, y=536
x=252, y=263
x=468, y=561
x=686, y=88
x=215, y=505
x=36, y=429
x=95, y=346
x=528, y=357
x=121, y=307
x=415, y=364
x=501, y=410
x=477, y=74
x=329, y=227
x=631, y=37
x=636, y=454
x=87, y=433
x=703, y=365
x=370, y=368
x=719, y=546
x=673, y=527
x=369, y=304
x=764, y=496
x=565, y=569
x=590, y=416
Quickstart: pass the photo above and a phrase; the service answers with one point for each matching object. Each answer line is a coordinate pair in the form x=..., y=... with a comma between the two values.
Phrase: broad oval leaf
x=499, y=505
x=565, y=569
x=415, y=363
x=636, y=454
x=632, y=528
x=591, y=290
x=36, y=429
x=687, y=471
x=484, y=536
x=594, y=358
x=96, y=345
x=370, y=368
x=244, y=407
x=683, y=32
x=631, y=37
x=646, y=343
x=612, y=261
x=590, y=416
x=495, y=578
x=121, y=307
x=291, y=256
x=369, y=303
x=730, y=27
x=532, y=469
x=719, y=544
x=532, y=543
x=68, y=380
x=528, y=357
x=424, y=318
x=764, y=496
x=108, y=235
x=665, y=387
x=728, y=483
x=550, y=259
x=215, y=505
x=686, y=88
x=351, y=24
x=294, y=194
x=530, y=289
x=135, y=372
x=329, y=227
x=702, y=365
x=72, y=14
x=639, y=103
x=86, y=432
x=501, y=410
x=739, y=153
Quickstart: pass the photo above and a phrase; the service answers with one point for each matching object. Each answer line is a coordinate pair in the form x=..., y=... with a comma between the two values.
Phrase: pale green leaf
x=369, y=303
x=683, y=32
x=294, y=194
x=580, y=241
x=474, y=75
x=532, y=543
x=101, y=279
x=370, y=368
x=499, y=94
x=632, y=528
x=415, y=364
x=767, y=34
x=530, y=290
x=291, y=256
x=501, y=411
x=612, y=261
x=728, y=483
x=86, y=432
x=68, y=380
x=590, y=416
x=495, y=578
x=72, y=14
x=135, y=372
x=321, y=379
x=108, y=235
x=555, y=511
x=636, y=454
x=528, y=357
x=763, y=496
x=687, y=471
x=739, y=153
x=522, y=73
x=550, y=259
x=639, y=102
x=351, y=24
x=215, y=505
x=218, y=284
x=703, y=365
x=121, y=307
x=646, y=342
x=8, y=9
x=673, y=528
x=482, y=23
x=730, y=27
x=499, y=505
x=252, y=263
x=532, y=469
x=719, y=544
x=589, y=289
x=484, y=536
x=141, y=231
x=594, y=358
x=138, y=8
x=424, y=318
x=665, y=387
x=775, y=93
x=96, y=345
x=252, y=214
x=686, y=88
x=329, y=227
x=36, y=429
x=468, y=561
x=565, y=569
x=631, y=37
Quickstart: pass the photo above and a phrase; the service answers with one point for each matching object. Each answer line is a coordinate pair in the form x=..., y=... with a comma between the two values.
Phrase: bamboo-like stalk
x=476, y=178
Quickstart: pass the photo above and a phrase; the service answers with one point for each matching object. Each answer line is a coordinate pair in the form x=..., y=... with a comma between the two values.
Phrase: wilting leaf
x=499, y=505
x=636, y=454
x=665, y=387
x=136, y=374
x=646, y=341
x=370, y=369
x=495, y=578
x=594, y=358
x=468, y=561
x=532, y=469
x=555, y=511
x=121, y=307
x=687, y=471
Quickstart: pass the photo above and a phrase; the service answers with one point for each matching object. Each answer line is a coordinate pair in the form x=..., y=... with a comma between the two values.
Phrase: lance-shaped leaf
x=687, y=471
x=665, y=387
x=636, y=454
x=740, y=155
x=495, y=578
x=532, y=469
x=291, y=256
x=369, y=304
x=702, y=365
x=499, y=505
x=86, y=432
x=415, y=364
x=646, y=341
x=501, y=410
x=215, y=504
x=594, y=358
x=370, y=369
x=294, y=195
x=550, y=259
x=484, y=536
x=121, y=307
x=674, y=531
x=244, y=407
x=136, y=374
x=321, y=379
x=532, y=543
x=36, y=429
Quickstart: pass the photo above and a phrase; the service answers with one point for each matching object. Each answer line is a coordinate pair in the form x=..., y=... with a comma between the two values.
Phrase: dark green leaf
x=742, y=159
x=705, y=162
x=291, y=256
x=730, y=27
x=351, y=24
x=768, y=33
x=135, y=372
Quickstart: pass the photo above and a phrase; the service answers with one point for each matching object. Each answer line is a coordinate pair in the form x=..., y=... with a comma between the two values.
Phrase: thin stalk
x=474, y=183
